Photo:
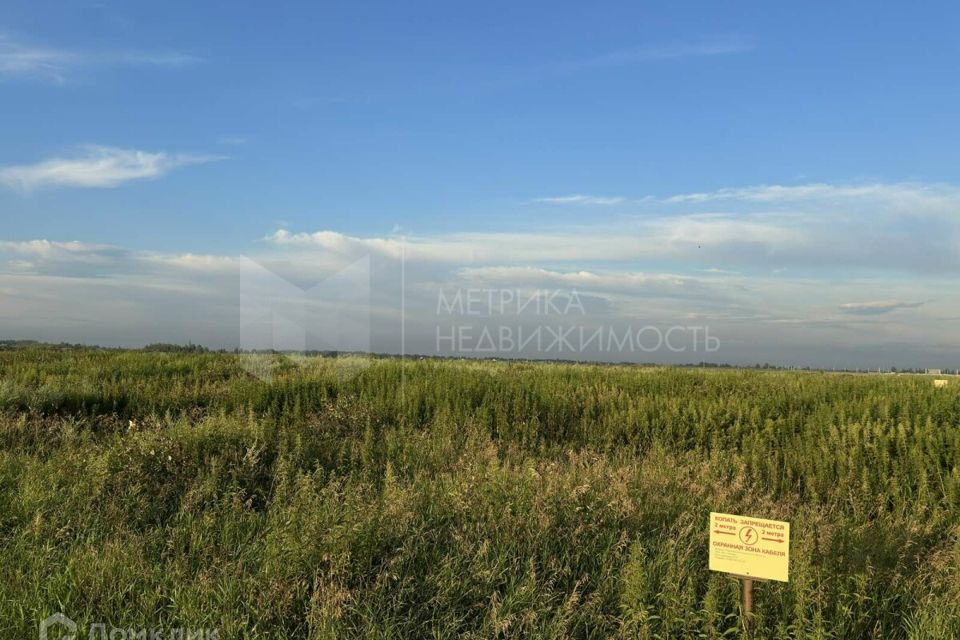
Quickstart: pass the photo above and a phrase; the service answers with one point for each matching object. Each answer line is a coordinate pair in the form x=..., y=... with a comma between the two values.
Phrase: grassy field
x=443, y=499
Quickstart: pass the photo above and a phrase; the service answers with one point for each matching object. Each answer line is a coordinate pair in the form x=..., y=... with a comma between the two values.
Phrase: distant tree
x=165, y=347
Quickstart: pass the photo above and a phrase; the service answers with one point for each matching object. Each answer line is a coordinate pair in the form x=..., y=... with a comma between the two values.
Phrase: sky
x=437, y=178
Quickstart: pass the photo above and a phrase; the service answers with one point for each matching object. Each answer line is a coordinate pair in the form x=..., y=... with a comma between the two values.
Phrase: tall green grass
x=441, y=499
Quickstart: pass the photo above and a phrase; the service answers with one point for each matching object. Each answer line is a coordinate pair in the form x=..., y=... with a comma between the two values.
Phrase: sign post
x=747, y=585
x=751, y=549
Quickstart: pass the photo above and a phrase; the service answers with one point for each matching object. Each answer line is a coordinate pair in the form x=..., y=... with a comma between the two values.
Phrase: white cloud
x=877, y=307
x=719, y=230
x=201, y=262
x=21, y=60
x=907, y=196
x=233, y=141
x=617, y=283
x=916, y=197
x=906, y=226
x=134, y=58
x=337, y=242
x=761, y=241
x=96, y=166
x=72, y=258
x=721, y=272
x=47, y=248
x=667, y=51
x=583, y=199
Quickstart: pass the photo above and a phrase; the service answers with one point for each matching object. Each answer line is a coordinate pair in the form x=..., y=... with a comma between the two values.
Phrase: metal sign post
x=746, y=602
x=746, y=596
x=747, y=586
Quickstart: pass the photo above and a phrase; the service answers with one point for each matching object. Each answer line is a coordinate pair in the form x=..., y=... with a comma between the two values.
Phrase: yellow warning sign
x=749, y=547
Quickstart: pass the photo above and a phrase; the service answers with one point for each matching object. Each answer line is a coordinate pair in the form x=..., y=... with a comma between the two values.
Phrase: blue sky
x=806, y=155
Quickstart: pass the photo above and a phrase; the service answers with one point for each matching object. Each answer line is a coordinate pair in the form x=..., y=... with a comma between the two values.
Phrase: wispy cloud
x=721, y=272
x=884, y=225
x=46, y=248
x=920, y=197
x=233, y=141
x=666, y=51
x=583, y=199
x=878, y=307
x=97, y=167
x=758, y=242
x=907, y=228
x=21, y=60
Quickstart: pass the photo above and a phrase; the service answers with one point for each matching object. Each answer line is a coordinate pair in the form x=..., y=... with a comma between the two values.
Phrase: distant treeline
x=171, y=347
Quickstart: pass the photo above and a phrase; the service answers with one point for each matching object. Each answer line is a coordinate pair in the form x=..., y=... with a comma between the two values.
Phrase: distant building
x=935, y=372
